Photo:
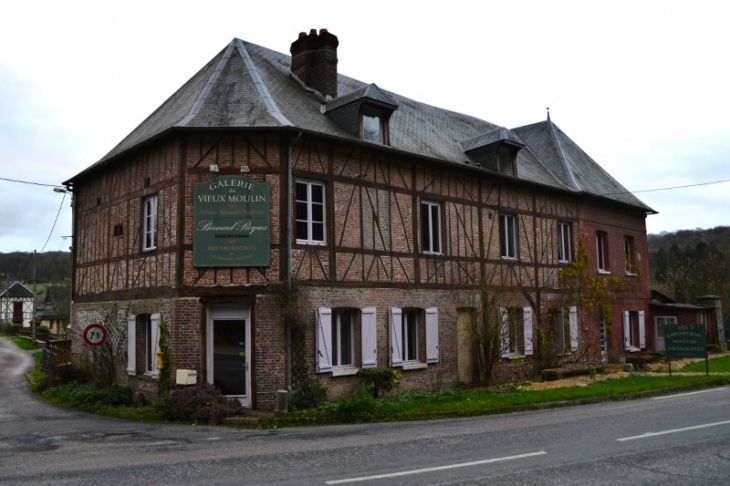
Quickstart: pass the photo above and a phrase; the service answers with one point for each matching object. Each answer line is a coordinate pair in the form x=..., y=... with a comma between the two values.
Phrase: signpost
x=685, y=342
x=94, y=335
x=231, y=225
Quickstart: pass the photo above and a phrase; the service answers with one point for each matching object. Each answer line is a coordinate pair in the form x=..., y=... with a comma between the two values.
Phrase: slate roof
x=249, y=86
x=16, y=291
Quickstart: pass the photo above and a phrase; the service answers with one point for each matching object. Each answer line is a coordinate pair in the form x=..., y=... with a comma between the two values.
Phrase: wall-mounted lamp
x=59, y=190
x=245, y=169
x=214, y=167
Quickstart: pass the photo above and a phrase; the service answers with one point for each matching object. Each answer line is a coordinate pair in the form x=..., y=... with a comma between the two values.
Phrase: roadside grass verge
x=113, y=401
x=362, y=408
x=23, y=343
x=716, y=365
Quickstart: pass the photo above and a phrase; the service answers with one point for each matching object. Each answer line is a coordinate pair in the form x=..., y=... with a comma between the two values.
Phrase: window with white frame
x=634, y=331
x=431, y=227
x=413, y=333
x=310, y=227
x=508, y=236
x=149, y=223
x=602, y=251
x=341, y=333
x=565, y=330
x=516, y=331
x=565, y=243
x=143, y=344
x=629, y=255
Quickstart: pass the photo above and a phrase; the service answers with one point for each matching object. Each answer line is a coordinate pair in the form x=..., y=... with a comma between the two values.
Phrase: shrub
x=203, y=403
x=312, y=394
x=376, y=380
x=42, y=331
x=14, y=328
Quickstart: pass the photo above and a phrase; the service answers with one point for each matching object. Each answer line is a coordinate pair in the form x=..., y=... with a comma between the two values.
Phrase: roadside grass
x=23, y=343
x=113, y=401
x=38, y=357
x=362, y=408
x=716, y=365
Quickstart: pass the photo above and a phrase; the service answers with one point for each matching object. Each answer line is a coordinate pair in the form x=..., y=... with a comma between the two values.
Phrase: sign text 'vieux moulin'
x=231, y=223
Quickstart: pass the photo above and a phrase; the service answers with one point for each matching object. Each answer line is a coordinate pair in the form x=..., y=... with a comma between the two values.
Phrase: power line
x=29, y=182
x=682, y=187
x=54, y=223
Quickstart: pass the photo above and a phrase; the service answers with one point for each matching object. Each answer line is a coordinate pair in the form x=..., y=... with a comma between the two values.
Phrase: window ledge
x=152, y=374
x=414, y=366
x=632, y=274
x=603, y=272
x=345, y=372
x=311, y=243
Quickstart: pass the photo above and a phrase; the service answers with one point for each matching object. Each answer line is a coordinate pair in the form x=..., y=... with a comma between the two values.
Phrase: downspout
x=289, y=244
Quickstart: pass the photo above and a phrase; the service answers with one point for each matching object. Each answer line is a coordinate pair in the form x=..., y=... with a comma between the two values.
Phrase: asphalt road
x=676, y=440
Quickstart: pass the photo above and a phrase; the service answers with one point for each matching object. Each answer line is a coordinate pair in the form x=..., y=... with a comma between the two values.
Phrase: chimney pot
x=323, y=31
x=314, y=61
x=302, y=34
x=312, y=32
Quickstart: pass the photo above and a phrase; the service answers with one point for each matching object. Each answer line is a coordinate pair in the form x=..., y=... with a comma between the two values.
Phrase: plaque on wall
x=231, y=223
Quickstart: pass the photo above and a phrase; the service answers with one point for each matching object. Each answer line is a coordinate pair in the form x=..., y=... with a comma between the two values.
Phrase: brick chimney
x=314, y=61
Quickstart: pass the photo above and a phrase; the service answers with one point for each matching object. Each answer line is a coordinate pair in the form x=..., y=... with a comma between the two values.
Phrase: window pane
x=301, y=191
x=435, y=229
x=345, y=338
x=425, y=228
x=301, y=211
x=318, y=213
x=317, y=193
x=302, y=230
x=371, y=128
x=317, y=232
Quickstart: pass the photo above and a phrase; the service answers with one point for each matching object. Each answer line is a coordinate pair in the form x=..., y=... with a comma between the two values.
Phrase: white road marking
x=439, y=468
x=688, y=393
x=646, y=435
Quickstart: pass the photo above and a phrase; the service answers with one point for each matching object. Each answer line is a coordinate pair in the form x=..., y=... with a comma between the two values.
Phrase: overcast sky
x=641, y=86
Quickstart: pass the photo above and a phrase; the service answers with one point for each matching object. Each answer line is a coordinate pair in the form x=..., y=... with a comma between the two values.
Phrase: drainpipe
x=289, y=244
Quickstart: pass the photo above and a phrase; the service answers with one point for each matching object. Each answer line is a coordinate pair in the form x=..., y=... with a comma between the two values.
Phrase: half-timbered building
x=268, y=171
x=16, y=305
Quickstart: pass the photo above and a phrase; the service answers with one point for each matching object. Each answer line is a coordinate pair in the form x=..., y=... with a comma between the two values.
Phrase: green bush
x=376, y=380
x=203, y=403
x=14, y=328
x=312, y=394
x=42, y=331
x=89, y=397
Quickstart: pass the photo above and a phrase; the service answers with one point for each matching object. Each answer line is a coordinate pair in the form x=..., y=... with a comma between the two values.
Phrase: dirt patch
x=583, y=380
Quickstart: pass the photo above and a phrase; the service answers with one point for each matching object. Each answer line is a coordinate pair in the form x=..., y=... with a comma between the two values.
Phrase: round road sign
x=94, y=334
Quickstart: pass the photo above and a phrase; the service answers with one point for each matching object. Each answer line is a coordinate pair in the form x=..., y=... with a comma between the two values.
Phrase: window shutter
x=642, y=331
x=573, y=323
x=155, y=333
x=504, y=330
x=131, y=345
x=432, y=335
x=396, y=336
x=527, y=329
x=627, y=331
x=324, y=339
x=369, y=338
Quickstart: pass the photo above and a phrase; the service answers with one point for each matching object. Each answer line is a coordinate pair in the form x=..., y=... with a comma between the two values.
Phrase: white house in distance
x=16, y=305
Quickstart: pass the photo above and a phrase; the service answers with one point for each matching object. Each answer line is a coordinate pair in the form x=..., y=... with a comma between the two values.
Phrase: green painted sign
x=685, y=341
x=231, y=226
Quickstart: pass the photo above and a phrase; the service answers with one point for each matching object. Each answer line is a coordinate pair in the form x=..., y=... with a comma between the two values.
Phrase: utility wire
x=28, y=182
x=54, y=223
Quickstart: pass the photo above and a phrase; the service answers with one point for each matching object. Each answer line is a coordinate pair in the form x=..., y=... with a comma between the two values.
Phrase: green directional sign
x=685, y=341
x=231, y=226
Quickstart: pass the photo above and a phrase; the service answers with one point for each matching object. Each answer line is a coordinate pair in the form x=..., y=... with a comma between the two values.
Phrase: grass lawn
x=23, y=343
x=716, y=365
x=464, y=403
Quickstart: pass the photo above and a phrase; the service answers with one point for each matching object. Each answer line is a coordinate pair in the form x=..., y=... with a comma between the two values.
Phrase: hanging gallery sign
x=231, y=223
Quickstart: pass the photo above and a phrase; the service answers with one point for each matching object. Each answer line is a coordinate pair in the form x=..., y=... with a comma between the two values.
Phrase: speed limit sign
x=94, y=334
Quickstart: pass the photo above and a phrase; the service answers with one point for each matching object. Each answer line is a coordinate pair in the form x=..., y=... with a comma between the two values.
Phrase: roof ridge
x=566, y=166
x=266, y=97
x=237, y=45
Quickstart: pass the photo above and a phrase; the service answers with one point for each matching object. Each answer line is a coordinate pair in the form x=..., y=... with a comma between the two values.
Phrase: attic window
x=507, y=158
x=118, y=230
x=374, y=126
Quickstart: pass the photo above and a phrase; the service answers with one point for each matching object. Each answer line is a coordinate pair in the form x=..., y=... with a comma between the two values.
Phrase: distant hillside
x=720, y=236
x=52, y=266
x=686, y=264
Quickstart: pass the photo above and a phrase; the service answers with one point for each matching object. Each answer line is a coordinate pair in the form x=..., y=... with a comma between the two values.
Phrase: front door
x=229, y=351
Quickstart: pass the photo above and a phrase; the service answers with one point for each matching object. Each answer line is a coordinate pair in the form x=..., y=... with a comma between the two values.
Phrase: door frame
x=223, y=312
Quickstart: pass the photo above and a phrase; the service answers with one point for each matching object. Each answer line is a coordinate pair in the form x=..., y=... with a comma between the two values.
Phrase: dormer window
x=372, y=126
x=507, y=160
x=364, y=113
